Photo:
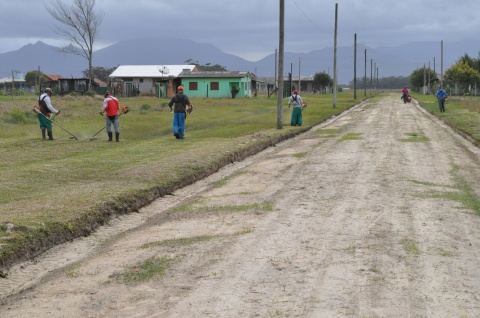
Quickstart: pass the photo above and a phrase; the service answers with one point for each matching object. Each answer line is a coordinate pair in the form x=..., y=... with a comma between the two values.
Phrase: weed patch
x=350, y=136
x=464, y=193
x=414, y=137
x=185, y=241
x=153, y=267
x=410, y=247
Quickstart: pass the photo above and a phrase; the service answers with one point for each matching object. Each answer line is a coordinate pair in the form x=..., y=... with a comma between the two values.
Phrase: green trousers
x=44, y=122
x=296, y=116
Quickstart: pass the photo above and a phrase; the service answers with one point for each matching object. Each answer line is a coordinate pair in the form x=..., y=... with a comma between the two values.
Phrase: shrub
x=90, y=93
x=145, y=107
x=17, y=116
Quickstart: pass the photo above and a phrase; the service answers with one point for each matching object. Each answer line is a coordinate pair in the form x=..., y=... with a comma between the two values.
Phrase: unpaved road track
x=363, y=216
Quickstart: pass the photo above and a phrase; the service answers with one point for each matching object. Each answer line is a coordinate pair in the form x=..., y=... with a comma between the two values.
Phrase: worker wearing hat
x=178, y=104
x=297, y=103
x=46, y=109
x=111, y=107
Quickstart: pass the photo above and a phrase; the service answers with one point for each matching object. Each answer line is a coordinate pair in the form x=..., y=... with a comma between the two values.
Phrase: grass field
x=462, y=113
x=53, y=191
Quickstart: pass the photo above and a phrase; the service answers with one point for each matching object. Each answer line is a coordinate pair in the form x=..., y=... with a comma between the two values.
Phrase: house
x=18, y=82
x=51, y=81
x=227, y=84
x=158, y=80
x=306, y=84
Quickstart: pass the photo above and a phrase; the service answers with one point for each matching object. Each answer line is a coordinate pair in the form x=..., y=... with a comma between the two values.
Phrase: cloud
x=250, y=28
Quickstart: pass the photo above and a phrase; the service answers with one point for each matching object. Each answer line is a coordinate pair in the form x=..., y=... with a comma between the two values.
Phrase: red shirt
x=111, y=106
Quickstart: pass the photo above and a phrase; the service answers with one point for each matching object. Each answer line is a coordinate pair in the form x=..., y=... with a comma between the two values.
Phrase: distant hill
x=401, y=60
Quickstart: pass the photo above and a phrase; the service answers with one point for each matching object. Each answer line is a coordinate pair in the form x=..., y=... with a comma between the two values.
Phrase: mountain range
x=395, y=61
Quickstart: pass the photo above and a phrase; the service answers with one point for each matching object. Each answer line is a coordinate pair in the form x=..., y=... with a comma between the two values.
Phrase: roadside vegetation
x=54, y=191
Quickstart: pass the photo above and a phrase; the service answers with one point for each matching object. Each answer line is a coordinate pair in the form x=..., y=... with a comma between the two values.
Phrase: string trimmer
x=35, y=109
x=124, y=110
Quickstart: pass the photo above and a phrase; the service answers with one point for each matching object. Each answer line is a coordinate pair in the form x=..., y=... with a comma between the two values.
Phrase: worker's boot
x=117, y=137
x=50, y=135
x=43, y=134
x=110, y=135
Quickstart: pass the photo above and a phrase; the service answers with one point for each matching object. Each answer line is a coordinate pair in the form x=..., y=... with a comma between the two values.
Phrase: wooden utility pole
x=355, y=67
x=280, y=65
x=441, y=64
x=299, y=74
x=365, y=77
x=335, y=60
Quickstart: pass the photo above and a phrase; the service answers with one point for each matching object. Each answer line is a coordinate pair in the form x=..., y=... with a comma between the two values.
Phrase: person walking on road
x=111, y=107
x=181, y=101
x=46, y=109
x=405, y=94
x=296, y=101
x=441, y=96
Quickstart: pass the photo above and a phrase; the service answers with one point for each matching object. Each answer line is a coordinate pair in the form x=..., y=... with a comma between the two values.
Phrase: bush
x=17, y=116
x=145, y=107
x=90, y=93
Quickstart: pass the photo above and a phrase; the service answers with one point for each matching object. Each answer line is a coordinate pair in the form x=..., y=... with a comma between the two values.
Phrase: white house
x=158, y=80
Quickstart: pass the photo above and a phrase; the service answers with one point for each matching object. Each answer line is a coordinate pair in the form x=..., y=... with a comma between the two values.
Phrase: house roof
x=9, y=80
x=213, y=74
x=150, y=70
x=100, y=82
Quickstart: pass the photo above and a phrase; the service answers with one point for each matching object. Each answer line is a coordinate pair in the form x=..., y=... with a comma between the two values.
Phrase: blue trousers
x=179, y=124
x=116, y=124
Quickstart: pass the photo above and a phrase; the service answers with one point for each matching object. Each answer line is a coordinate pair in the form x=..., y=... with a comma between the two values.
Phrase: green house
x=216, y=84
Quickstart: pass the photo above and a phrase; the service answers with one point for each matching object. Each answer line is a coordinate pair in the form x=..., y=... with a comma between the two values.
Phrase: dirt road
x=368, y=215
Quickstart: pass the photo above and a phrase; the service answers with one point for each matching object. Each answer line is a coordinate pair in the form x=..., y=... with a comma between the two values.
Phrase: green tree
x=420, y=77
x=32, y=78
x=99, y=72
x=463, y=75
x=323, y=80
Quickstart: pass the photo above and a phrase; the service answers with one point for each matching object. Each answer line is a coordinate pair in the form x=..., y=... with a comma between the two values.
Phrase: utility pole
x=281, y=48
x=335, y=60
x=290, y=78
x=365, y=77
x=424, y=78
x=441, y=64
x=299, y=74
x=371, y=76
x=429, y=79
x=276, y=65
x=355, y=67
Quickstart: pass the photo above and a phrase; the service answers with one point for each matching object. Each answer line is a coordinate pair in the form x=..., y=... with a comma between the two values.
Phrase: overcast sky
x=250, y=28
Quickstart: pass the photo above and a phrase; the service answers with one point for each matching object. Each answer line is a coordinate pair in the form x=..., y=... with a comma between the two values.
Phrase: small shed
x=225, y=84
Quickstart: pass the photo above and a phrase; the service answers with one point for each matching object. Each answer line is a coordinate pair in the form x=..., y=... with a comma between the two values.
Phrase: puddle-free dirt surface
x=363, y=216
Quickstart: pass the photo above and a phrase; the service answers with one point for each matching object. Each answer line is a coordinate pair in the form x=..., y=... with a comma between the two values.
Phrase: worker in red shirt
x=111, y=107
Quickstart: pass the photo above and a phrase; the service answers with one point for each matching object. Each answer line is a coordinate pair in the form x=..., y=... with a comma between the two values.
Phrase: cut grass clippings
x=56, y=191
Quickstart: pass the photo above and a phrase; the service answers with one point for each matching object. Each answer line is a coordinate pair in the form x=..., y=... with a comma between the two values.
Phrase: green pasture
x=64, y=186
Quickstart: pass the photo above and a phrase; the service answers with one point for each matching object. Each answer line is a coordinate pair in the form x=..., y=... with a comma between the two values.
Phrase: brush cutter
x=125, y=110
x=35, y=109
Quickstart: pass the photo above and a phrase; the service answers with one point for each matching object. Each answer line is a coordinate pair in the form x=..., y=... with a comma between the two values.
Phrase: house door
x=128, y=89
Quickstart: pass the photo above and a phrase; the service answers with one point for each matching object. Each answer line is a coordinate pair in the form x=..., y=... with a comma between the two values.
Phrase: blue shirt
x=441, y=94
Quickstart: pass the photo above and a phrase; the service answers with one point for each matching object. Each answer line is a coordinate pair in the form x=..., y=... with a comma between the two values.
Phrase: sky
x=250, y=28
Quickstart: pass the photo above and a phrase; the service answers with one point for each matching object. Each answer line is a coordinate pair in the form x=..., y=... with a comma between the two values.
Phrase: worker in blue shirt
x=441, y=96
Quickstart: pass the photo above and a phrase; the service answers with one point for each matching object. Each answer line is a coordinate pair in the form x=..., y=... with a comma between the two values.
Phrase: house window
x=214, y=86
x=140, y=80
x=193, y=86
